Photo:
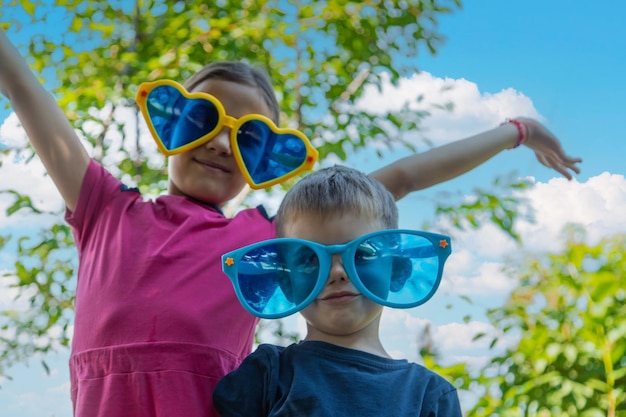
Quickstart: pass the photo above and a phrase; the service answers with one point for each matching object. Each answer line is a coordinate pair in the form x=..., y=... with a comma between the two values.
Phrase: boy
x=338, y=258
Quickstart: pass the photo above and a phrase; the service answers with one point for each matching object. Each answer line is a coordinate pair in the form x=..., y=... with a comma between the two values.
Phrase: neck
x=365, y=340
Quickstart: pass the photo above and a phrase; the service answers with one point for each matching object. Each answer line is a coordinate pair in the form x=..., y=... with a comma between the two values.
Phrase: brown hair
x=239, y=72
x=334, y=191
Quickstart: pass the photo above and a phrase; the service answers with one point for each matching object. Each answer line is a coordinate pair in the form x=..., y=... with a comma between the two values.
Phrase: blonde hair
x=335, y=191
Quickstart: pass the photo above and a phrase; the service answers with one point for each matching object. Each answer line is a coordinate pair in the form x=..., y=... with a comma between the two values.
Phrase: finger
x=571, y=160
x=574, y=168
x=571, y=163
x=561, y=168
x=542, y=160
x=551, y=162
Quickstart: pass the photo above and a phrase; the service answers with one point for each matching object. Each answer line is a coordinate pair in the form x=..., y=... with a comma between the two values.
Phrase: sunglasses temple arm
x=231, y=207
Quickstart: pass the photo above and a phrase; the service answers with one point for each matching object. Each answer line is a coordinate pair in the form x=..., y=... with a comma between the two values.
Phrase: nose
x=220, y=144
x=337, y=272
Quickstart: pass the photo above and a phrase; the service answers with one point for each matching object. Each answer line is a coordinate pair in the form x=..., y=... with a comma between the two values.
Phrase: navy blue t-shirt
x=321, y=379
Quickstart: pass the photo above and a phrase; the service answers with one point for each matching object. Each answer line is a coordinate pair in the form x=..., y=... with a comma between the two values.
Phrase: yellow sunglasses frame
x=224, y=120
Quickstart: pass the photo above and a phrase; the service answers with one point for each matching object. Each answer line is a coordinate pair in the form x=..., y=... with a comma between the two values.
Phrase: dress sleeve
x=98, y=189
x=246, y=392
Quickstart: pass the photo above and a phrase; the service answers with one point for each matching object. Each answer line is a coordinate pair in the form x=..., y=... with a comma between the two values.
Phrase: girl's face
x=209, y=172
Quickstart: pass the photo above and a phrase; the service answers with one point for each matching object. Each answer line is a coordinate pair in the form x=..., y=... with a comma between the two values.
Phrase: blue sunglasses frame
x=233, y=265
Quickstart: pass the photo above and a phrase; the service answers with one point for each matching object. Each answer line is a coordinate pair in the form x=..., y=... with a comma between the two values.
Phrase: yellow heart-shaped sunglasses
x=180, y=121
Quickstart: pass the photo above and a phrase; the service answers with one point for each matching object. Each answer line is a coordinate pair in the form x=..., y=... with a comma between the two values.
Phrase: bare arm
x=49, y=131
x=423, y=170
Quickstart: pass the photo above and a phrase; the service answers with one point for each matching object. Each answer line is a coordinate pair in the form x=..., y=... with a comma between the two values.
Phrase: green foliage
x=43, y=275
x=320, y=55
x=569, y=314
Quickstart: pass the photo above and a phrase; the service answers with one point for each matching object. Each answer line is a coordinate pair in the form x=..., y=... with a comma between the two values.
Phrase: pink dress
x=157, y=322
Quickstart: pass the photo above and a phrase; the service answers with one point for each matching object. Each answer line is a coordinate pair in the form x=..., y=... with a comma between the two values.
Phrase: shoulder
x=265, y=353
x=251, y=225
x=269, y=352
x=277, y=360
x=255, y=213
x=100, y=185
x=440, y=396
x=250, y=389
x=96, y=172
x=99, y=189
x=257, y=366
x=429, y=377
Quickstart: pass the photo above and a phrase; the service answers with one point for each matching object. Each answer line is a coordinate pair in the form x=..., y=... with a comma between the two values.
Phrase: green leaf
x=103, y=53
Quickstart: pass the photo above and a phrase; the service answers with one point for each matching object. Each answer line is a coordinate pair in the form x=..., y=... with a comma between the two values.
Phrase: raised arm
x=423, y=170
x=49, y=131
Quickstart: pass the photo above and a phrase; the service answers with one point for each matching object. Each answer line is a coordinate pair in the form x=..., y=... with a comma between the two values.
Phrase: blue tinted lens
x=266, y=154
x=276, y=278
x=304, y=267
x=373, y=262
x=403, y=268
x=179, y=120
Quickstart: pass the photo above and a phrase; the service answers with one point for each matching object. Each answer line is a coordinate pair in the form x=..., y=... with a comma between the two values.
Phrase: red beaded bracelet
x=521, y=128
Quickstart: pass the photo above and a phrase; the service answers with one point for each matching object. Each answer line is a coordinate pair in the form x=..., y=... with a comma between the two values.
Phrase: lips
x=213, y=165
x=339, y=296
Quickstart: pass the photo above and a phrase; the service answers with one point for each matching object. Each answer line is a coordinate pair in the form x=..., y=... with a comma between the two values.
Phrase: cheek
x=238, y=178
x=308, y=313
x=173, y=167
x=176, y=175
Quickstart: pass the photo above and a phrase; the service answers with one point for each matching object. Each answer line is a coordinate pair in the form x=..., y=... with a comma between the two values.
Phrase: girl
x=157, y=323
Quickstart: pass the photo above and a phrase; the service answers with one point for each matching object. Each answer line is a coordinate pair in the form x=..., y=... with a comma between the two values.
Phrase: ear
x=402, y=268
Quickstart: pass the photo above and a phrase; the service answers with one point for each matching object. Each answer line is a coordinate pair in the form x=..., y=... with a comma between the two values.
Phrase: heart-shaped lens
x=180, y=121
x=269, y=154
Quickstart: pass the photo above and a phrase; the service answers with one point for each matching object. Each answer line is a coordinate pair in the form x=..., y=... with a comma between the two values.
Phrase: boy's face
x=340, y=309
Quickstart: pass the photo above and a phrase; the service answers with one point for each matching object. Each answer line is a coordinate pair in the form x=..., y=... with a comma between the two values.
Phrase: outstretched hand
x=548, y=149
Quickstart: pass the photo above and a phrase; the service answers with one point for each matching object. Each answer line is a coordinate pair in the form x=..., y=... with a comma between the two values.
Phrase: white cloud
x=596, y=204
x=11, y=132
x=42, y=192
x=458, y=337
x=401, y=332
x=474, y=111
x=487, y=243
x=465, y=274
x=475, y=267
x=29, y=178
x=8, y=294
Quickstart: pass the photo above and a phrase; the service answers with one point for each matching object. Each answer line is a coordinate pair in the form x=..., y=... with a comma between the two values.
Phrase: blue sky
x=559, y=60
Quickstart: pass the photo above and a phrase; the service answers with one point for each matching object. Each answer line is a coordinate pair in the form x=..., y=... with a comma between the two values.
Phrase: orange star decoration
x=443, y=243
x=229, y=261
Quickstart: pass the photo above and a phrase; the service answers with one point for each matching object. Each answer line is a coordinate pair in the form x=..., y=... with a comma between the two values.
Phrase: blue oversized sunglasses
x=180, y=121
x=394, y=268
